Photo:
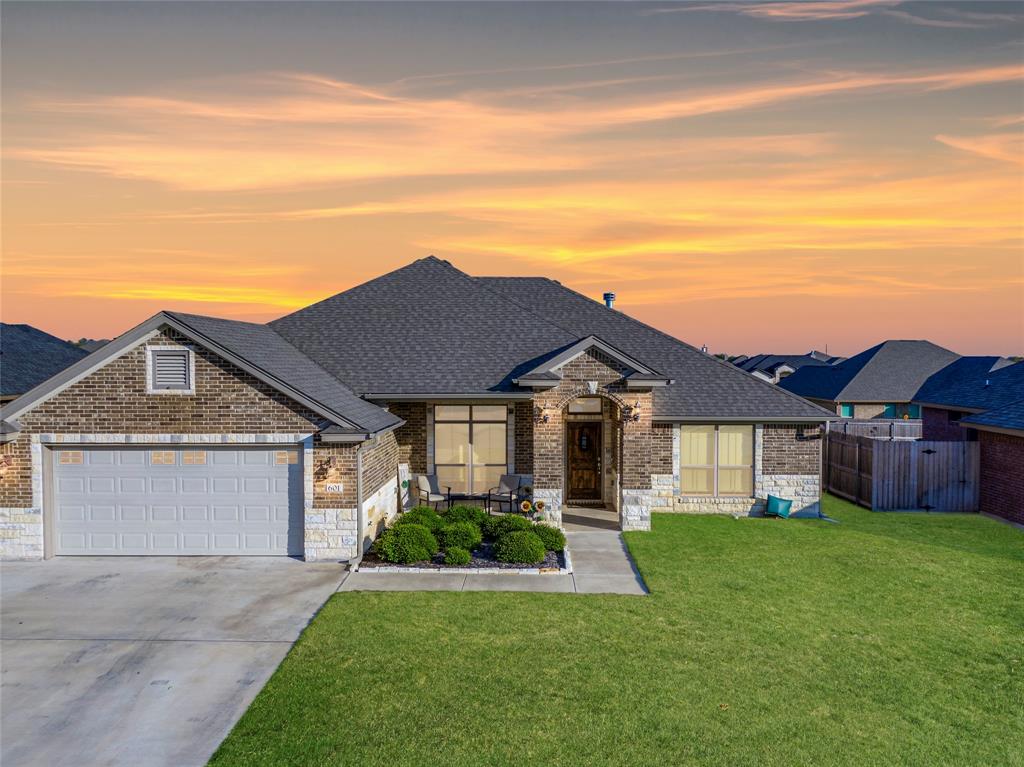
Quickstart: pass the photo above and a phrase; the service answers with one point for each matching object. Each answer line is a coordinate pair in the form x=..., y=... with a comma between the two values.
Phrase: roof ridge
x=723, y=363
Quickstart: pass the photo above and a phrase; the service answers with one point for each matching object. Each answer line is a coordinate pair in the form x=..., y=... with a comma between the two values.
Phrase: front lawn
x=887, y=639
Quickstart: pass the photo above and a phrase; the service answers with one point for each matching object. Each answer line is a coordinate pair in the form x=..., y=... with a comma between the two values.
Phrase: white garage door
x=173, y=500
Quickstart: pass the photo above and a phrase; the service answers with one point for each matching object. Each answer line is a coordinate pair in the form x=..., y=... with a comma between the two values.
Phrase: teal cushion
x=778, y=507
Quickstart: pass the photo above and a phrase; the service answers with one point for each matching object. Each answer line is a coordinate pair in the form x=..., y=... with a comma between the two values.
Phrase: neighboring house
x=28, y=356
x=196, y=435
x=962, y=388
x=774, y=367
x=880, y=382
x=982, y=398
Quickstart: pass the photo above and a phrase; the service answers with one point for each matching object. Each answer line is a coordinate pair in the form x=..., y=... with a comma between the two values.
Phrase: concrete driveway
x=143, y=661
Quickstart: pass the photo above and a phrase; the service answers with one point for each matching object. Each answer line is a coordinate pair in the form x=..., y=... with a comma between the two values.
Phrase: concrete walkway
x=600, y=560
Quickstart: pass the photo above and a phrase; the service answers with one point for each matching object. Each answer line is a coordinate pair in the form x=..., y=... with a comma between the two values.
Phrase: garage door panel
x=157, y=500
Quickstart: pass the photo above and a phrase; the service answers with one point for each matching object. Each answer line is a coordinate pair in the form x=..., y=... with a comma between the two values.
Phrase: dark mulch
x=483, y=559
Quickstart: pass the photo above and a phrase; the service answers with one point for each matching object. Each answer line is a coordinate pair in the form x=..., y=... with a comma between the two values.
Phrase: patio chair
x=430, y=492
x=507, y=491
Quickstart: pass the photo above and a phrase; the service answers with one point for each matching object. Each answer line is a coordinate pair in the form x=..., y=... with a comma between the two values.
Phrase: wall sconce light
x=5, y=463
x=631, y=412
x=540, y=414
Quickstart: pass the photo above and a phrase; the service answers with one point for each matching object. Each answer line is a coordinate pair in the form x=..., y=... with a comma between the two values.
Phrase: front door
x=584, y=459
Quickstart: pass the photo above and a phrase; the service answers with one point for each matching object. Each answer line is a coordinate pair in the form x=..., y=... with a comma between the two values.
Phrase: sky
x=757, y=177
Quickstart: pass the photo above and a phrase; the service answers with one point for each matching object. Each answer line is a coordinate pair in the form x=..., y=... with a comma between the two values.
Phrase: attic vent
x=171, y=370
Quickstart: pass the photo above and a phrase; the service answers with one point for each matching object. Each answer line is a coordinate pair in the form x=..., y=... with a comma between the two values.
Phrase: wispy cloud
x=1007, y=147
x=809, y=10
x=281, y=131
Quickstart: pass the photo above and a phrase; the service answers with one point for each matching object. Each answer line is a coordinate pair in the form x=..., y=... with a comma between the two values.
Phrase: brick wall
x=523, y=415
x=936, y=424
x=113, y=400
x=791, y=449
x=412, y=437
x=380, y=463
x=1002, y=475
x=343, y=471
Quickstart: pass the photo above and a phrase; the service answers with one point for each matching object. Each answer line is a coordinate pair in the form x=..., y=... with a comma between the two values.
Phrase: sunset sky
x=755, y=176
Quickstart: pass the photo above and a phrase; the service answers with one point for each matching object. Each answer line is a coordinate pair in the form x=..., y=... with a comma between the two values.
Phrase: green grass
x=887, y=639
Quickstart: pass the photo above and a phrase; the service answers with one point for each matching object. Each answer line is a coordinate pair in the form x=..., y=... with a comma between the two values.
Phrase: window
x=171, y=370
x=914, y=411
x=717, y=460
x=71, y=457
x=889, y=411
x=470, y=447
x=194, y=458
x=162, y=458
x=846, y=410
x=286, y=457
x=585, y=405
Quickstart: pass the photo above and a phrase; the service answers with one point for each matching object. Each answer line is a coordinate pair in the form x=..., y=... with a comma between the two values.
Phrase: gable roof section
x=974, y=383
x=28, y=356
x=703, y=387
x=1008, y=418
x=426, y=328
x=254, y=348
x=892, y=371
x=548, y=373
x=769, y=363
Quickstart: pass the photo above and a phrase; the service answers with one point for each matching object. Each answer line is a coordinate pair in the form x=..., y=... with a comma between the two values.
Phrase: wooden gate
x=903, y=475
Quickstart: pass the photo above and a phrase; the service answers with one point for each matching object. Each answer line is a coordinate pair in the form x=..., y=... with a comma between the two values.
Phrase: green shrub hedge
x=472, y=514
x=522, y=546
x=462, y=535
x=421, y=515
x=406, y=544
x=552, y=538
x=495, y=527
x=457, y=555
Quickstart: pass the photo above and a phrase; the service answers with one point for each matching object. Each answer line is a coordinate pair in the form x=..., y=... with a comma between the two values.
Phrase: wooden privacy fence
x=902, y=474
x=879, y=428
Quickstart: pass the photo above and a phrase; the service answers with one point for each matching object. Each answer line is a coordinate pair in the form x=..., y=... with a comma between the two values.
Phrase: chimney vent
x=609, y=300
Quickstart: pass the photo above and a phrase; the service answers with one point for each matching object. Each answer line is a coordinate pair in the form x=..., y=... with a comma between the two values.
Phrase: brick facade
x=788, y=449
x=1002, y=475
x=523, y=425
x=938, y=424
x=111, y=405
x=412, y=437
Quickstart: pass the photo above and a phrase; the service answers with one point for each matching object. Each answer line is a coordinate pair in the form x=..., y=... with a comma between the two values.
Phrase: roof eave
x=744, y=419
x=997, y=429
x=432, y=396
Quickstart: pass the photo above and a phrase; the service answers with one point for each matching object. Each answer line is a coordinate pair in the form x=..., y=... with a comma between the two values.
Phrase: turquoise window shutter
x=846, y=410
x=915, y=411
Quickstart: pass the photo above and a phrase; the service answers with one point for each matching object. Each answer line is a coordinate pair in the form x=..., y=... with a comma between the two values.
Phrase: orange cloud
x=1008, y=147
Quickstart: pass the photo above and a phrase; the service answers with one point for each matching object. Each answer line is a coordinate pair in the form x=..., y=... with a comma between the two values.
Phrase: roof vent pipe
x=609, y=300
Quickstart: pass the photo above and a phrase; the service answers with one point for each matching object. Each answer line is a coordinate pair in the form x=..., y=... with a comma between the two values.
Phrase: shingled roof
x=28, y=356
x=1006, y=418
x=974, y=383
x=892, y=371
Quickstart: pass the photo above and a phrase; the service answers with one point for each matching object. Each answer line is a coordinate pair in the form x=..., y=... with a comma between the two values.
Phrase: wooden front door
x=583, y=453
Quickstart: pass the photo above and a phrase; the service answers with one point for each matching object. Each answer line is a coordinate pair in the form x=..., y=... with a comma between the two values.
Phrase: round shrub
x=406, y=544
x=472, y=514
x=461, y=535
x=421, y=515
x=522, y=546
x=552, y=538
x=457, y=555
x=495, y=527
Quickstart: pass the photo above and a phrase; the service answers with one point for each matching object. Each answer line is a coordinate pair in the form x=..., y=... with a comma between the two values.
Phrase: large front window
x=470, y=447
x=717, y=460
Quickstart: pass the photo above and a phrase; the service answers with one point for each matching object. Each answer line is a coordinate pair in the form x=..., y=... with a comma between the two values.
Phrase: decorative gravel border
x=564, y=557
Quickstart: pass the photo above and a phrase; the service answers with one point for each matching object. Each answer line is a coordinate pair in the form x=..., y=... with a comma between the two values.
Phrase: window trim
x=717, y=465
x=152, y=352
x=469, y=465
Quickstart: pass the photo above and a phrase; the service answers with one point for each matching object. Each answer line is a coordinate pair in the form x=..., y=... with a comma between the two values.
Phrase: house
x=302, y=437
x=880, y=382
x=982, y=398
x=962, y=388
x=774, y=367
x=28, y=356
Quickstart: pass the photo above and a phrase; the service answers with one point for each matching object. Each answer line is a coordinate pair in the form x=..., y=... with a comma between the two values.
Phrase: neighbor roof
x=974, y=383
x=1006, y=418
x=892, y=371
x=30, y=356
x=770, y=362
x=431, y=329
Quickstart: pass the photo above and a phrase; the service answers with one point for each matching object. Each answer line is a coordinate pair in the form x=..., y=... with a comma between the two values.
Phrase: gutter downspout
x=360, y=511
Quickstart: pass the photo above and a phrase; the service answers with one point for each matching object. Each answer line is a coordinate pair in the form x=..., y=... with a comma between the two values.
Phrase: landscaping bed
x=466, y=539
